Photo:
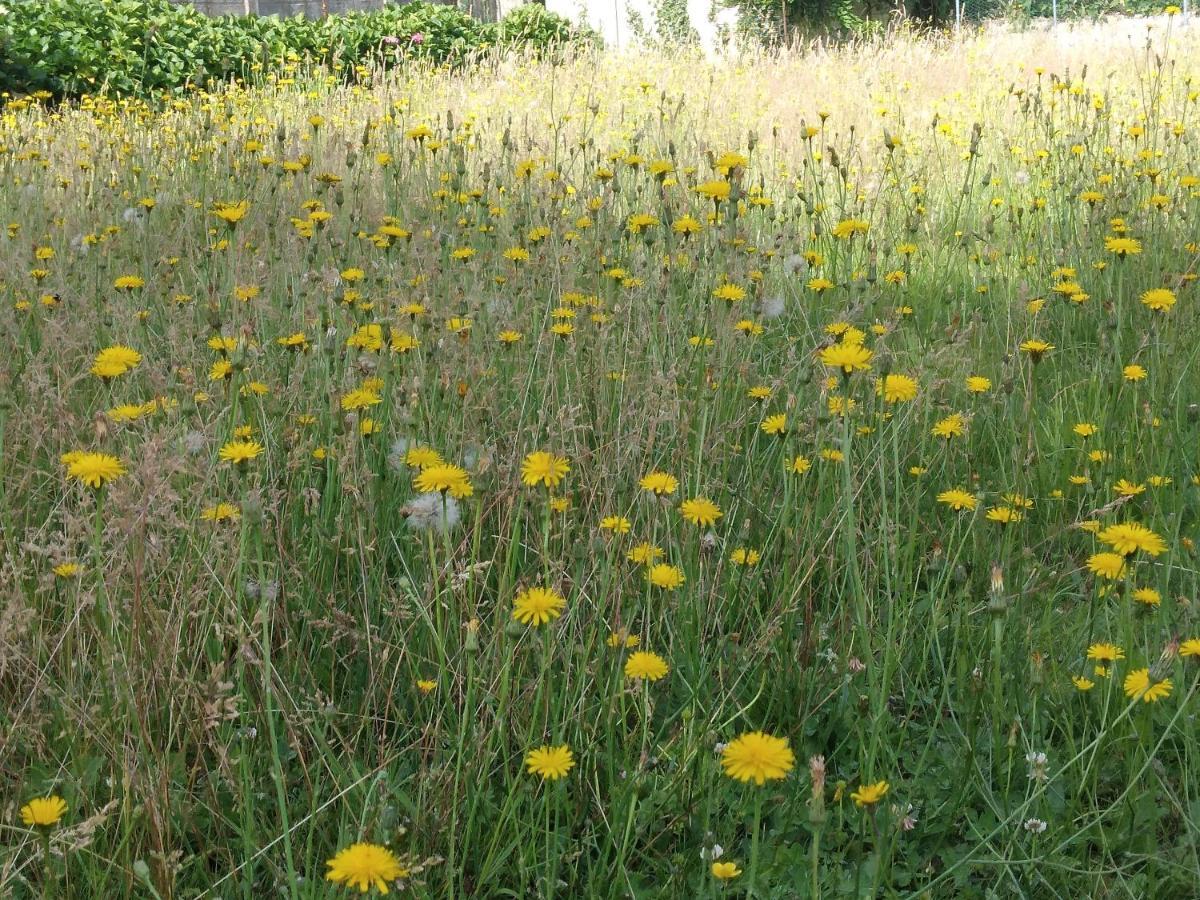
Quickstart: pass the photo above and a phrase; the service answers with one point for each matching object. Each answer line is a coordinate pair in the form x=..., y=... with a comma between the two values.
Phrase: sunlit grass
x=622, y=477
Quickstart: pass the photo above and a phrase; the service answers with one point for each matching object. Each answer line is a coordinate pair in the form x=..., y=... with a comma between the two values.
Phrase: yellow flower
x=849, y=357
x=1138, y=686
x=1106, y=565
x=1084, y=684
x=644, y=554
x=231, y=213
x=116, y=360
x=365, y=866
x=43, y=811
x=422, y=458
x=745, y=557
x=659, y=483
x=1159, y=299
x=1122, y=246
x=700, y=511
x=538, y=606
x=368, y=338
x=776, y=424
x=724, y=871
x=758, y=757
x=444, y=477
x=1036, y=349
x=686, y=225
x=221, y=512
x=952, y=426
x=545, y=468
x=1105, y=652
x=93, y=469
x=870, y=794
x=401, y=342
x=425, y=686
x=717, y=191
x=1190, y=647
x=1004, y=515
x=296, y=341
x=360, y=398
x=129, y=283
x=977, y=384
x=1147, y=596
x=66, y=570
x=240, y=452
x=847, y=228
x=898, y=388
x=623, y=638
x=957, y=499
x=730, y=293
x=615, y=524
x=1128, y=488
x=664, y=576
x=647, y=666
x=1128, y=537
x=550, y=762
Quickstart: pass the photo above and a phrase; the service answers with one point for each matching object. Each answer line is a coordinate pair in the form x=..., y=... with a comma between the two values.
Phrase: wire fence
x=968, y=12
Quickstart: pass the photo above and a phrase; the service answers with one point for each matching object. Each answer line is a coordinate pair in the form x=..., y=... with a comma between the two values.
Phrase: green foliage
x=70, y=47
x=673, y=25
x=534, y=25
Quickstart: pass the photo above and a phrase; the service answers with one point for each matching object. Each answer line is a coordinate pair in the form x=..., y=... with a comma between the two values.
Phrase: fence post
x=1054, y=10
x=958, y=15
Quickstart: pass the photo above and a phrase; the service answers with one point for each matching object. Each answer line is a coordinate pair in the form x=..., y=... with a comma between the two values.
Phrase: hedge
x=141, y=47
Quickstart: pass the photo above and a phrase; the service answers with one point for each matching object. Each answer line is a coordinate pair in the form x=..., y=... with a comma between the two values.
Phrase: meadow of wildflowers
x=608, y=477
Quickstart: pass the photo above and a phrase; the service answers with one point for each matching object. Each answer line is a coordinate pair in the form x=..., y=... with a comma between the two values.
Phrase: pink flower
x=417, y=38
x=391, y=40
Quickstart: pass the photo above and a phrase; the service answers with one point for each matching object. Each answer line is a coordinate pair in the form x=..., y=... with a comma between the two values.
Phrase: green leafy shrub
x=70, y=47
x=535, y=26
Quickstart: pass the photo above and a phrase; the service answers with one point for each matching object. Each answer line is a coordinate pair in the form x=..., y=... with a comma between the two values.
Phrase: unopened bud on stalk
x=997, y=603
x=471, y=644
x=816, y=804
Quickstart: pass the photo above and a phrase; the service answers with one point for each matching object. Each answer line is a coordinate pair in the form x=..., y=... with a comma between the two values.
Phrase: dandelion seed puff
x=428, y=512
x=773, y=307
x=795, y=264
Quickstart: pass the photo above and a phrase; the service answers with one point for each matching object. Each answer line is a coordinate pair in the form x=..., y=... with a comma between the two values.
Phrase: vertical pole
x=958, y=15
x=1054, y=10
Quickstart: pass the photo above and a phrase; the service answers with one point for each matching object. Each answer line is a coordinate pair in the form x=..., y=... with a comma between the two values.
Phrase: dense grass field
x=622, y=477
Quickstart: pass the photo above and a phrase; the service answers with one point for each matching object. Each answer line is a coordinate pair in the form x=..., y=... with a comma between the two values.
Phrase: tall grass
x=226, y=704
